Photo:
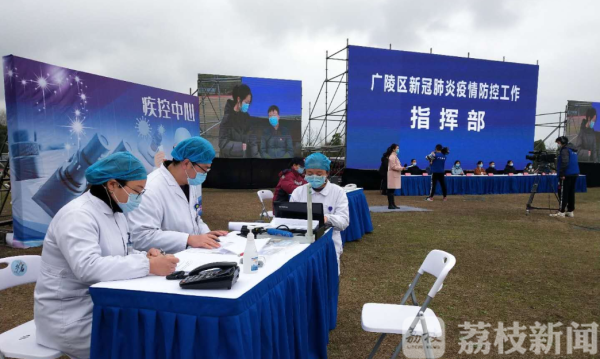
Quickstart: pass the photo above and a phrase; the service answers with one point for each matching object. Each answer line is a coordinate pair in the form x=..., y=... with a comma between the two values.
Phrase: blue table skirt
x=421, y=185
x=287, y=315
x=360, y=217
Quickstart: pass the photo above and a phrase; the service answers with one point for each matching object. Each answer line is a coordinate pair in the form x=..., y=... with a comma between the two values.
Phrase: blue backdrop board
x=61, y=121
x=482, y=110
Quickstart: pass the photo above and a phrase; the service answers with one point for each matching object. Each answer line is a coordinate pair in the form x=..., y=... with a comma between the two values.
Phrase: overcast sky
x=166, y=44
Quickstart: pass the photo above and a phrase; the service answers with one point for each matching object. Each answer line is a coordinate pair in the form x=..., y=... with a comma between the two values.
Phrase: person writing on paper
x=87, y=243
x=333, y=197
x=457, y=169
x=413, y=169
x=479, y=171
x=510, y=168
x=171, y=215
x=529, y=169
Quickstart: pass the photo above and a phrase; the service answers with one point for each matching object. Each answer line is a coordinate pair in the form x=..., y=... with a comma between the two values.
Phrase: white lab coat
x=166, y=218
x=335, y=206
x=86, y=243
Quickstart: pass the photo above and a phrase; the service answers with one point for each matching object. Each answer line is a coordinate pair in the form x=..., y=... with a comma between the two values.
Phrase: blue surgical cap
x=195, y=149
x=121, y=166
x=317, y=161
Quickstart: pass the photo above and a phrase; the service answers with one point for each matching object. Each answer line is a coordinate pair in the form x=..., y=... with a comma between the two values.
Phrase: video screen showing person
x=251, y=117
x=582, y=130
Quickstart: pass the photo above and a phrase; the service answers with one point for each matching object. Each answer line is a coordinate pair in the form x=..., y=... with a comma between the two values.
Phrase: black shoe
x=396, y=207
x=392, y=207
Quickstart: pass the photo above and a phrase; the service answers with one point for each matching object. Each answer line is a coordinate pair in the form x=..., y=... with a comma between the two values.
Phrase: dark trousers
x=390, y=196
x=566, y=193
x=435, y=178
x=383, y=186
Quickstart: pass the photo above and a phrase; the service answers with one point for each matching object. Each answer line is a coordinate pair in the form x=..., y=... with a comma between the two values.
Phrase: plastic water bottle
x=250, y=255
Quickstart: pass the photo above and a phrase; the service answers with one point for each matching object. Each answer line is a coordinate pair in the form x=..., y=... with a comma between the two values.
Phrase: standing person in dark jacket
x=383, y=169
x=276, y=141
x=236, y=137
x=438, y=165
x=289, y=180
x=568, y=172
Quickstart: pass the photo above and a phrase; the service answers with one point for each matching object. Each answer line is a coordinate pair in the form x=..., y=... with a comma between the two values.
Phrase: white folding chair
x=20, y=342
x=265, y=194
x=396, y=319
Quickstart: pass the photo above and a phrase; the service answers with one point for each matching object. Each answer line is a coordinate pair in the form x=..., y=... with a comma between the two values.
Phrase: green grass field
x=510, y=267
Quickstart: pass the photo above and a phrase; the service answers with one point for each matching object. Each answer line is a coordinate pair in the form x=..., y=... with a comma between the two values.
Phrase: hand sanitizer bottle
x=250, y=255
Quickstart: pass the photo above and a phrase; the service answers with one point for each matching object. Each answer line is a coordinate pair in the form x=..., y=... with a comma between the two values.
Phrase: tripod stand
x=542, y=168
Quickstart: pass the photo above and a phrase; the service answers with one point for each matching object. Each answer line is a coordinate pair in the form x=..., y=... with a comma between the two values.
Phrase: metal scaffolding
x=559, y=126
x=331, y=135
x=213, y=92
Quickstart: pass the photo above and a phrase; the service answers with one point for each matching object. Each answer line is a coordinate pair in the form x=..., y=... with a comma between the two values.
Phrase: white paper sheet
x=231, y=244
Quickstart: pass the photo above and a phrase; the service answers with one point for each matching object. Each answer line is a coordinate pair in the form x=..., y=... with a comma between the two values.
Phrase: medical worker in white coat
x=170, y=218
x=333, y=197
x=87, y=243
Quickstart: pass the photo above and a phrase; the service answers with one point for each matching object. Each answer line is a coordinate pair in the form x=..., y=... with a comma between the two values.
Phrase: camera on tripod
x=541, y=156
x=430, y=157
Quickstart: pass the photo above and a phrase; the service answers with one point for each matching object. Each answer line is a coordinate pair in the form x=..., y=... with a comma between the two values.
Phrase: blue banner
x=61, y=121
x=482, y=110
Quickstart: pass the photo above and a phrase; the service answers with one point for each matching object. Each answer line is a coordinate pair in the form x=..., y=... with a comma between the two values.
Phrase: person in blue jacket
x=567, y=169
x=276, y=140
x=438, y=164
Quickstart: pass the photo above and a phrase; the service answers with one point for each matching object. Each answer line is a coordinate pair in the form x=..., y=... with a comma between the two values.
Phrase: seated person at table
x=479, y=171
x=276, y=140
x=457, y=170
x=492, y=168
x=170, y=217
x=509, y=168
x=529, y=168
x=333, y=197
x=289, y=180
x=413, y=169
x=86, y=243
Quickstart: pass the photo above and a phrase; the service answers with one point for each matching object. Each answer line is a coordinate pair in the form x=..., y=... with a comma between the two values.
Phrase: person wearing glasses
x=87, y=242
x=171, y=215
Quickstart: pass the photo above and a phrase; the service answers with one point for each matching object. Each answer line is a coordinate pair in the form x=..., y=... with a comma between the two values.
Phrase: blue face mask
x=398, y=151
x=510, y=164
x=200, y=178
x=592, y=124
x=316, y=181
x=300, y=170
x=133, y=202
x=245, y=107
x=274, y=121
x=457, y=165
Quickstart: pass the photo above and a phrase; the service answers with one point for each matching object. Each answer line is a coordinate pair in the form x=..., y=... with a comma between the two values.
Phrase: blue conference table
x=478, y=185
x=286, y=315
x=360, y=217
